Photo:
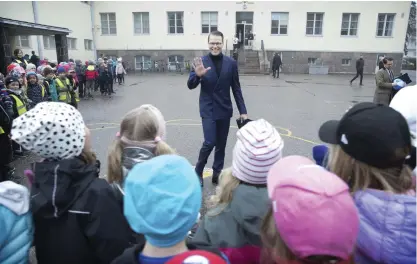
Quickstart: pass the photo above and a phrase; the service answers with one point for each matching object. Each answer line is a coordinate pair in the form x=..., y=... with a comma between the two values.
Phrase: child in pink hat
x=313, y=218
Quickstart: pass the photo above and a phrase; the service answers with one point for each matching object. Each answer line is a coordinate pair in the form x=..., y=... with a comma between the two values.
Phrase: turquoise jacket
x=52, y=90
x=15, y=224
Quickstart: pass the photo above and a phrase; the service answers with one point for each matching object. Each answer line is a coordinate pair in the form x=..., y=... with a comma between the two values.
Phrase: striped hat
x=258, y=147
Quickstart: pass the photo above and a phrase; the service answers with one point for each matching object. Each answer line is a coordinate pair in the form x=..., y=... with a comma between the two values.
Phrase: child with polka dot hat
x=76, y=217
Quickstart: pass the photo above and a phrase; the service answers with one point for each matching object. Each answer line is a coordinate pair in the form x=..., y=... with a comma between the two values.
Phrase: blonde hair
x=224, y=192
x=275, y=251
x=139, y=127
x=359, y=175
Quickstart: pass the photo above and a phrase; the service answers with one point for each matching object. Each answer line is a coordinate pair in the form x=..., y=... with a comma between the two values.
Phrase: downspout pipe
x=36, y=20
x=93, y=28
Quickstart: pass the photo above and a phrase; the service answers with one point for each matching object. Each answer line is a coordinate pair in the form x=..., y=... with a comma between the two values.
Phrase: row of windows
x=279, y=23
x=144, y=62
x=49, y=42
x=314, y=61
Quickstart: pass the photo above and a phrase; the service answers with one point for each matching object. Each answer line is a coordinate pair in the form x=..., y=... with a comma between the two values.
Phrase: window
x=49, y=42
x=108, y=23
x=175, y=61
x=141, y=22
x=88, y=44
x=349, y=24
x=346, y=62
x=312, y=61
x=72, y=43
x=279, y=23
x=385, y=25
x=314, y=24
x=143, y=62
x=22, y=41
x=175, y=22
x=208, y=22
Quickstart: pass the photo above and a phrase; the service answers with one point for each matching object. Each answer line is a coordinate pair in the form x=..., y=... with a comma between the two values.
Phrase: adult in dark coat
x=360, y=64
x=276, y=64
x=34, y=59
x=217, y=74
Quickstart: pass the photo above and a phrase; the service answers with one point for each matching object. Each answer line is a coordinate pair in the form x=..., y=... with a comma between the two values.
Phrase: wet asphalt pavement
x=296, y=104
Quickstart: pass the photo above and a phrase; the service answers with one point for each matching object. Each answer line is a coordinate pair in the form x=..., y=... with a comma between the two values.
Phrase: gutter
x=36, y=20
x=93, y=27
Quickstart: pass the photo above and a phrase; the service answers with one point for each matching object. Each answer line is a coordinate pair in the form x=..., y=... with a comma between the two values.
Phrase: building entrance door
x=244, y=25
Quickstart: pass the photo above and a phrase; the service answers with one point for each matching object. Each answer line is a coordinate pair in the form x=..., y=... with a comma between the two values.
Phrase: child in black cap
x=370, y=147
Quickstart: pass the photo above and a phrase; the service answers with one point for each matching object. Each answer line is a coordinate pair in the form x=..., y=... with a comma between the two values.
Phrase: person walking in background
x=235, y=42
x=360, y=64
x=216, y=107
x=120, y=71
x=251, y=38
x=276, y=65
x=384, y=82
x=34, y=59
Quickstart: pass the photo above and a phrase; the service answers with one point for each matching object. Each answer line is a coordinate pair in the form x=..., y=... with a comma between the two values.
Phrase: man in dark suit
x=384, y=79
x=217, y=74
x=276, y=65
x=360, y=64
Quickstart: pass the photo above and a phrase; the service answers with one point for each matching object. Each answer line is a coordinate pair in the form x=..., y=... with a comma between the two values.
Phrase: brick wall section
x=297, y=61
x=293, y=61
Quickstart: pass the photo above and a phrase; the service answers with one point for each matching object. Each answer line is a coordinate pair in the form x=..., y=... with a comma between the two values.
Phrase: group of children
x=356, y=206
x=26, y=85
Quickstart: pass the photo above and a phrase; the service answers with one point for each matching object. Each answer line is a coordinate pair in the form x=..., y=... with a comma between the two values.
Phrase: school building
x=331, y=33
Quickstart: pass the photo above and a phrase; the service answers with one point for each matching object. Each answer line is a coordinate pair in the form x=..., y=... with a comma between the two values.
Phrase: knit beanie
x=30, y=74
x=10, y=79
x=61, y=70
x=162, y=199
x=258, y=147
x=51, y=130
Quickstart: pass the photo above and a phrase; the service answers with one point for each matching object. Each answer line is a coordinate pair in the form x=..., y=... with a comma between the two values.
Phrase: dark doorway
x=240, y=33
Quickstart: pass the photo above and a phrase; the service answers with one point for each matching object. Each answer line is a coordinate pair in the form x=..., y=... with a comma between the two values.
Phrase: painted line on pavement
x=174, y=122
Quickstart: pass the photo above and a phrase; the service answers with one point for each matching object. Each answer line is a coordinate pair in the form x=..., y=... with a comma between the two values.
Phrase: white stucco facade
x=365, y=40
x=72, y=15
x=76, y=16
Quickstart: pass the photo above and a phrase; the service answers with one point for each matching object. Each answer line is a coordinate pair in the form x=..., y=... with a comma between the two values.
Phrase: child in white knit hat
x=242, y=201
x=76, y=216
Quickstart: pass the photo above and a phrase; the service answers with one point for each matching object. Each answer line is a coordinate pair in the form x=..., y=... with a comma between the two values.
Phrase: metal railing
x=265, y=55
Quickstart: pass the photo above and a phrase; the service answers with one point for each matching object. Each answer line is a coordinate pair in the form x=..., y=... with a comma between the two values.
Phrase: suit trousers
x=215, y=135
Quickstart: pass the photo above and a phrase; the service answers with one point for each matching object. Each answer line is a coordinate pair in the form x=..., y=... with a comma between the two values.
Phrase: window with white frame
x=208, y=22
x=279, y=23
x=143, y=62
x=312, y=61
x=346, y=62
x=108, y=23
x=314, y=24
x=72, y=43
x=175, y=22
x=141, y=22
x=23, y=41
x=385, y=25
x=349, y=24
x=175, y=61
x=49, y=42
x=88, y=44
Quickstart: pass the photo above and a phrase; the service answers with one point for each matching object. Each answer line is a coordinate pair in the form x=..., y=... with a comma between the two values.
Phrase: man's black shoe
x=215, y=178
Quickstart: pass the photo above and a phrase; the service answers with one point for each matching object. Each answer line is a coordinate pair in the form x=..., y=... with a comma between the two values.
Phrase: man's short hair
x=215, y=33
x=386, y=60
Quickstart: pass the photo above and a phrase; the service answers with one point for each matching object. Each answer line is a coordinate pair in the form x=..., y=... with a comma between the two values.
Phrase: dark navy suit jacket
x=215, y=102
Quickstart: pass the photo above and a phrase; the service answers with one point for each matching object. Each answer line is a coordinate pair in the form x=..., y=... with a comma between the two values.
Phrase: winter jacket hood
x=59, y=185
x=15, y=223
x=130, y=256
x=387, y=232
x=14, y=197
x=235, y=229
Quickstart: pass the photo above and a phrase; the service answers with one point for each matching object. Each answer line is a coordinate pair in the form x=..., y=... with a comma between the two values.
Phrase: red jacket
x=91, y=73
